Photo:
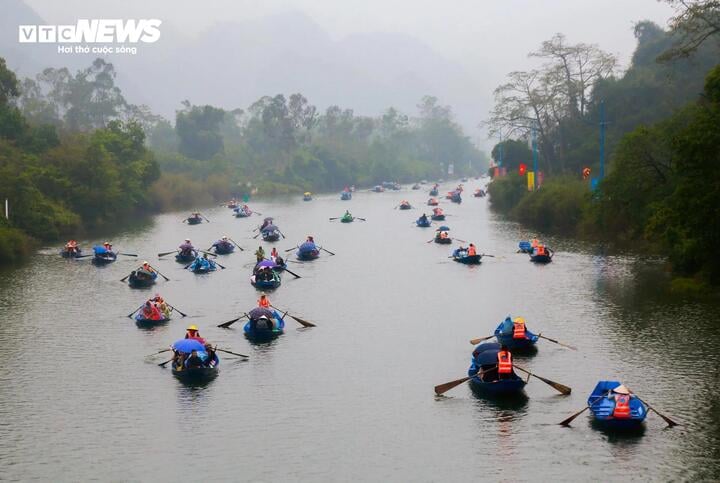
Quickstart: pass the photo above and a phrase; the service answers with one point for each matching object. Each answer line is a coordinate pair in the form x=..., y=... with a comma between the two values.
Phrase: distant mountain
x=233, y=64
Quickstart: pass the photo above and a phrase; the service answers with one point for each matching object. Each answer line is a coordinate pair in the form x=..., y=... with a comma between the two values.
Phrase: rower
x=310, y=239
x=194, y=333
x=274, y=255
x=471, y=250
x=186, y=248
x=519, y=330
x=146, y=266
x=423, y=218
x=534, y=243
x=107, y=246
x=263, y=301
x=505, y=365
x=151, y=312
x=212, y=359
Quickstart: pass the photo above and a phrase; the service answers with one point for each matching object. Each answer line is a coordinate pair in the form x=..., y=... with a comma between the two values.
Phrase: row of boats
x=492, y=374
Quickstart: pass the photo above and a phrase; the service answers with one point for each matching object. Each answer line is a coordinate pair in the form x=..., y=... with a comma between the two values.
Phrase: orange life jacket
x=472, y=252
x=540, y=250
x=534, y=242
x=518, y=330
x=264, y=302
x=622, y=406
x=504, y=362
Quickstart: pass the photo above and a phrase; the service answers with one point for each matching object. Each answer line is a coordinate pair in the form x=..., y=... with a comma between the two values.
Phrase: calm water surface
x=353, y=398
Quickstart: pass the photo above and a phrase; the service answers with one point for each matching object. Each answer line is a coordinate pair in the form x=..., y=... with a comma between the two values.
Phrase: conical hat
x=621, y=389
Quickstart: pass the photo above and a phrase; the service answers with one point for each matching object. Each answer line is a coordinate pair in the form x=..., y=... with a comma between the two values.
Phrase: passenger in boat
x=107, y=246
x=260, y=254
x=71, y=246
x=146, y=266
x=187, y=248
x=621, y=395
x=265, y=274
x=534, y=243
x=310, y=239
x=151, y=312
x=221, y=243
x=263, y=301
x=212, y=358
x=444, y=235
x=471, y=251
x=194, y=333
x=423, y=218
x=347, y=214
x=194, y=360
x=161, y=305
x=505, y=365
x=274, y=255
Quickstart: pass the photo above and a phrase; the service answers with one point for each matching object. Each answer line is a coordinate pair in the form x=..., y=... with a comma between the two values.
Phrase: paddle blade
x=292, y=273
x=166, y=253
x=443, y=388
x=559, y=387
x=302, y=322
x=233, y=353
x=557, y=342
x=227, y=324
x=566, y=422
x=163, y=364
x=477, y=341
x=669, y=421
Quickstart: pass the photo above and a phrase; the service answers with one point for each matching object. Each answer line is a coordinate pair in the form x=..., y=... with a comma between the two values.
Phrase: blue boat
x=346, y=195
x=242, y=213
x=188, y=257
x=142, y=278
x=207, y=371
x=194, y=220
x=103, y=256
x=270, y=234
x=484, y=358
x=223, y=247
x=263, y=284
x=504, y=335
x=544, y=258
x=202, y=265
x=602, y=406
x=434, y=192
x=308, y=251
x=423, y=222
x=461, y=256
x=141, y=321
x=263, y=329
x=455, y=197
x=525, y=247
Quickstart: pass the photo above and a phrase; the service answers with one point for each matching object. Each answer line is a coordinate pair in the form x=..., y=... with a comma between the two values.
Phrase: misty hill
x=233, y=64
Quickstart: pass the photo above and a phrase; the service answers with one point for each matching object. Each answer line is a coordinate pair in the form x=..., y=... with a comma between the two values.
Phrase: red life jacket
x=504, y=362
x=519, y=330
x=540, y=250
x=622, y=406
x=472, y=252
x=264, y=302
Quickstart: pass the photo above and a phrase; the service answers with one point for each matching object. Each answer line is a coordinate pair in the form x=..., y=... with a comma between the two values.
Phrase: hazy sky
x=487, y=38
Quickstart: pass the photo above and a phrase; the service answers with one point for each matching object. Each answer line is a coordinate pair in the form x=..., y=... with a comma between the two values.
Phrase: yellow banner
x=531, y=180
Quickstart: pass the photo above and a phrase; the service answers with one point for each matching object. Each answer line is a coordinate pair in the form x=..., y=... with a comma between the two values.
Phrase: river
x=352, y=399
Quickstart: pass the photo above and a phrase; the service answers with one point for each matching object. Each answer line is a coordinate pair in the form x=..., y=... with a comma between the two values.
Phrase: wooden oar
x=227, y=324
x=443, y=388
x=256, y=236
x=236, y=244
x=163, y=364
x=291, y=249
x=158, y=352
x=358, y=218
x=233, y=353
x=292, y=273
x=557, y=342
x=125, y=277
x=128, y=254
x=281, y=234
x=430, y=241
x=669, y=421
x=84, y=256
x=461, y=241
x=176, y=310
x=222, y=267
x=477, y=341
x=204, y=217
x=336, y=218
x=257, y=213
x=560, y=387
x=566, y=422
x=158, y=272
x=300, y=321
x=133, y=313
x=487, y=255
x=209, y=253
x=331, y=253
x=167, y=253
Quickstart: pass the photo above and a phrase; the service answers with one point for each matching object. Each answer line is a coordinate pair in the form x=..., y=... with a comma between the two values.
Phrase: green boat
x=347, y=218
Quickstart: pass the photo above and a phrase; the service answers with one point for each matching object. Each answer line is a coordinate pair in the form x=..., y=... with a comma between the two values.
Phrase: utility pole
x=535, y=158
x=602, y=139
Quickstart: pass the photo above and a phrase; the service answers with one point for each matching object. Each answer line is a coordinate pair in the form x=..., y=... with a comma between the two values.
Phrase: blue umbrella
x=188, y=345
x=444, y=228
x=270, y=227
x=486, y=353
x=266, y=263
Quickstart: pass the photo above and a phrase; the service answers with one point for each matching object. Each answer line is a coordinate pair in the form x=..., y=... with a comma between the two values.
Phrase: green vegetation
x=662, y=190
x=74, y=154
